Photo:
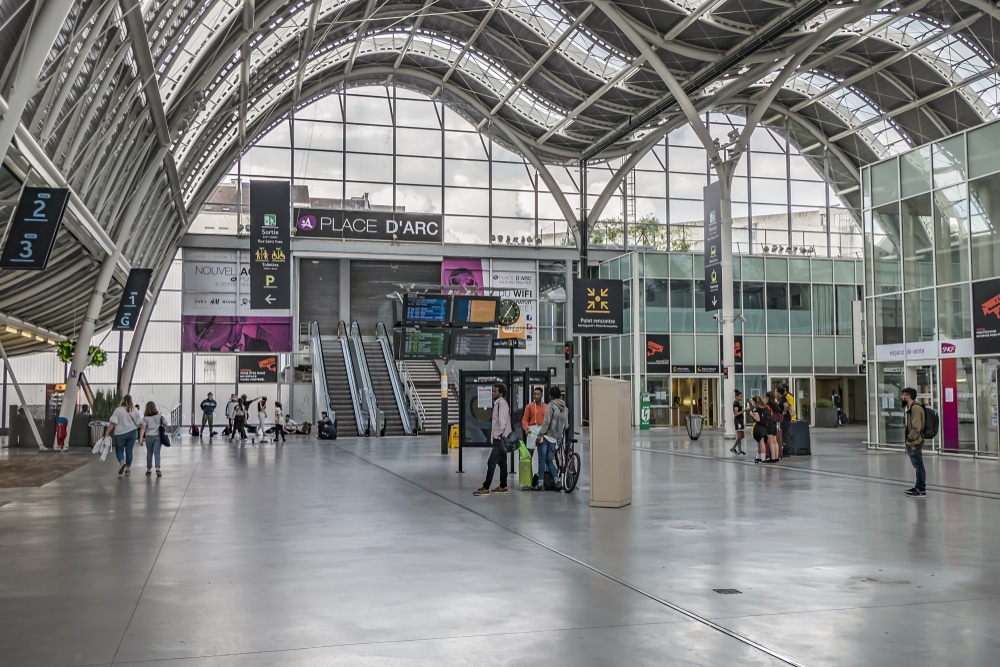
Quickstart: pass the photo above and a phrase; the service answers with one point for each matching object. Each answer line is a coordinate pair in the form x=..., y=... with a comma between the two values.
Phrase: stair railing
x=321, y=393
x=398, y=386
x=376, y=419
x=360, y=411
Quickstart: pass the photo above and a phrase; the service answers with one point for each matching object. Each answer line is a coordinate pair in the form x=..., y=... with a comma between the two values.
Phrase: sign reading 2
x=33, y=228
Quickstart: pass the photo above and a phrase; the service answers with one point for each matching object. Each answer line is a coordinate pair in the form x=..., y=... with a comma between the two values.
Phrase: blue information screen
x=425, y=309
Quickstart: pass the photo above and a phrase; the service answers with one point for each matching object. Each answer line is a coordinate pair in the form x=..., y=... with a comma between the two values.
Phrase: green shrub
x=105, y=404
x=825, y=403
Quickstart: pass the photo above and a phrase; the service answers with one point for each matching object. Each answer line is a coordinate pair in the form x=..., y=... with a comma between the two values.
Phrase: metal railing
x=176, y=417
x=385, y=344
x=375, y=419
x=412, y=396
x=360, y=411
x=321, y=393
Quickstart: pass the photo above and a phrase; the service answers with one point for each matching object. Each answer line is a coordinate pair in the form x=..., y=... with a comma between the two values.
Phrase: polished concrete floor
x=375, y=552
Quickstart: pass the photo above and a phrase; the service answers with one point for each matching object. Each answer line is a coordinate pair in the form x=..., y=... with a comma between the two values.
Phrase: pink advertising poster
x=463, y=272
x=228, y=333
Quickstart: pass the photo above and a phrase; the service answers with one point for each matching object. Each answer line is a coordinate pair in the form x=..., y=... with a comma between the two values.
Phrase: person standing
x=230, y=406
x=125, y=423
x=207, y=415
x=775, y=436
x=738, y=420
x=150, y=433
x=239, y=421
x=550, y=434
x=500, y=429
x=531, y=421
x=838, y=403
x=915, y=418
x=762, y=419
x=278, y=421
x=262, y=418
x=786, y=405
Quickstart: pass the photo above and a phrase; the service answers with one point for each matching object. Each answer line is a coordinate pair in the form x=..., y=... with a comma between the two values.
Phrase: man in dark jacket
x=553, y=430
x=915, y=441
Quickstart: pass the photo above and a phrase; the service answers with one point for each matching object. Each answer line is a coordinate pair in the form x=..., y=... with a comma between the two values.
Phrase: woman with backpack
x=125, y=423
x=762, y=423
x=152, y=420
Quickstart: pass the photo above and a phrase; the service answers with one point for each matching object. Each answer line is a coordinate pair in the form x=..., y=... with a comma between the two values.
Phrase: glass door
x=923, y=378
x=660, y=412
x=803, y=399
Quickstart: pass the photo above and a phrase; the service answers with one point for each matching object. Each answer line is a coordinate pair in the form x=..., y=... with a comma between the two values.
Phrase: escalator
x=386, y=384
x=334, y=380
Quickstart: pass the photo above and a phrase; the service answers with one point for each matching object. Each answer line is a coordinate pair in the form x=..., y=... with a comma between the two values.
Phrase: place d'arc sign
x=369, y=225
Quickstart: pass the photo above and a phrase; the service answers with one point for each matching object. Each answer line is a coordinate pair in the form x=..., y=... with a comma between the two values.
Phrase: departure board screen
x=426, y=309
x=423, y=344
x=475, y=311
x=472, y=344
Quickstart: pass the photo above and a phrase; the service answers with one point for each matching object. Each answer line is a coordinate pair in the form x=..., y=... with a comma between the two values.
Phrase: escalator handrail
x=320, y=389
x=397, y=383
x=343, y=334
x=367, y=399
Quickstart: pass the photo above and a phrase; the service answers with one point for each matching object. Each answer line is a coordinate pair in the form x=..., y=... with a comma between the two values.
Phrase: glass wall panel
x=951, y=229
x=843, y=272
x=657, y=304
x=707, y=350
x=776, y=269
x=822, y=271
x=954, y=312
x=657, y=265
x=752, y=268
x=822, y=310
x=915, y=172
x=987, y=406
x=984, y=150
x=682, y=305
x=845, y=355
x=753, y=308
x=777, y=354
x=949, y=162
x=824, y=353
x=801, y=357
x=920, y=320
x=798, y=268
x=800, y=308
x=844, y=312
x=886, y=257
x=889, y=319
x=754, y=354
x=680, y=266
x=704, y=321
x=885, y=182
x=777, y=308
x=918, y=242
x=984, y=208
x=681, y=350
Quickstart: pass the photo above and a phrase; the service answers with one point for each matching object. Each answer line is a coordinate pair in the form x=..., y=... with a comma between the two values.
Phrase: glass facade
x=932, y=244
x=794, y=321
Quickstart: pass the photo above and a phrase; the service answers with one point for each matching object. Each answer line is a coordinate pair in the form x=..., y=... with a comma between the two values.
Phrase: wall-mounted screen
x=422, y=344
x=426, y=309
x=472, y=344
x=475, y=311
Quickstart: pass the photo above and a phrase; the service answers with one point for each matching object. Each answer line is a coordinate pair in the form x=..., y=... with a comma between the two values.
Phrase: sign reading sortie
x=369, y=225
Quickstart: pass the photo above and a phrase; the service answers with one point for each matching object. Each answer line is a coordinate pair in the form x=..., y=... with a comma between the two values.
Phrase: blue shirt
x=208, y=406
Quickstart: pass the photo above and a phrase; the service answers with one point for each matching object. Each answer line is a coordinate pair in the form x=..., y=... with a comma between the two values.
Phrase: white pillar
x=726, y=171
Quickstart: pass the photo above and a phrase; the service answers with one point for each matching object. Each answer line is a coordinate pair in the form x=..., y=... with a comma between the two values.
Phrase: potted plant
x=67, y=348
x=826, y=414
x=104, y=405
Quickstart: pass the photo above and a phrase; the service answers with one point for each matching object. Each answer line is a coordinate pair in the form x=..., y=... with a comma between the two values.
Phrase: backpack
x=766, y=416
x=931, y=423
x=550, y=482
x=194, y=430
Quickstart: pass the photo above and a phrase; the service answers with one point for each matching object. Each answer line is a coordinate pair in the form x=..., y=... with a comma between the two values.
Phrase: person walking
x=838, y=403
x=125, y=423
x=239, y=421
x=261, y=419
x=278, y=421
x=738, y=420
x=230, y=406
x=149, y=432
x=499, y=430
x=550, y=434
x=207, y=416
x=915, y=418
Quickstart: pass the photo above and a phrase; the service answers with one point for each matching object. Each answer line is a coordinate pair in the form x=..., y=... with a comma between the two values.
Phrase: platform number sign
x=33, y=228
x=132, y=298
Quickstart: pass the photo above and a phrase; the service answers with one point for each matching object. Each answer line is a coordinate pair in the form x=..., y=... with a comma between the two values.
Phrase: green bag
x=523, y=451
x=524, y=473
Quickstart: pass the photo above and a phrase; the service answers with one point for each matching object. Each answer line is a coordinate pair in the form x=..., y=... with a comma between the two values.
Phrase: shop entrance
x=698, y=396
x=922, y=376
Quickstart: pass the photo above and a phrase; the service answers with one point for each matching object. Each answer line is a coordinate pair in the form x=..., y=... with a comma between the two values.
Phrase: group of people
x=127, y=426
x=238, y=411
x=770, y=419
x=546, y=424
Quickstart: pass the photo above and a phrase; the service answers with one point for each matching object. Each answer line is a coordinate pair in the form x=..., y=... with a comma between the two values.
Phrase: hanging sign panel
x=712, y=194
x=368, y=225
x=598, y=307
x=270, y=245
x=33, y=228
x=132, y=299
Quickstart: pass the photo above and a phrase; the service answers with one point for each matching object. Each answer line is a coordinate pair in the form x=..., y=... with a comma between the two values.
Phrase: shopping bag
x=105, y=447
x=99, y=444
x=523, y=451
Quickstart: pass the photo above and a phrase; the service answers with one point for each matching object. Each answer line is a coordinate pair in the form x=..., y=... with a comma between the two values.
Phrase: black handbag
x=164, y=438
x=511, y=441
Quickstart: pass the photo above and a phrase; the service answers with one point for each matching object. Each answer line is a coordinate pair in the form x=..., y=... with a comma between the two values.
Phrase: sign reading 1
x=33, y=228
x=132, y=298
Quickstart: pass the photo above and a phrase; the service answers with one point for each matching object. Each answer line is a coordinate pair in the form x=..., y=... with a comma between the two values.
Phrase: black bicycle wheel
x=572, y=474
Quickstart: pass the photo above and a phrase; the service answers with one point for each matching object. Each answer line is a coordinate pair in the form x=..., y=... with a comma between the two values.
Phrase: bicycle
x=569, y=465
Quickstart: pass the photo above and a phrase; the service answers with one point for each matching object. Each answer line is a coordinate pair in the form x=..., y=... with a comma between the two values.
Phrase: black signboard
x=132, y=298
x=737, y=353
x=33, y=228
x=472, y=344
x=369, y=225
x=598, y=307
x=475, y=311
x=706, y=369
x=510, y=344
x=657, y=353
x=682, y=369
x=258, y=368
x=270, y=246
x=422, y=344
x=712, y=194
x=986, y=316
x=426, y=308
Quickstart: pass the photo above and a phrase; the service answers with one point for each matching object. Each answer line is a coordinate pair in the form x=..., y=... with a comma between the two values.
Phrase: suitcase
x=524, y=473
x=798, y=439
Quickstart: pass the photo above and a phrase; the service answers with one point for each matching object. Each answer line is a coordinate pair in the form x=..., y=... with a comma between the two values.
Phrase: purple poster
x=205, y=333
x=462, y=271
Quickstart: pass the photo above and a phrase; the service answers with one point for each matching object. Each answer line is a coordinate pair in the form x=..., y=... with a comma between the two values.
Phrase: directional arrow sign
x=269, y=299
x=713, y=242
x=270, y=246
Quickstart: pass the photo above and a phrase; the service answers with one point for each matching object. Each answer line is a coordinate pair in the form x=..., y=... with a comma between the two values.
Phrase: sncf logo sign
x=992, y=307
x=947, y=348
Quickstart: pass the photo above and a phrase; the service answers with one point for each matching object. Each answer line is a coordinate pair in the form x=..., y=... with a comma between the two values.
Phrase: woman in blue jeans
x=125, y=424
x=151, y=422
x=552, y=431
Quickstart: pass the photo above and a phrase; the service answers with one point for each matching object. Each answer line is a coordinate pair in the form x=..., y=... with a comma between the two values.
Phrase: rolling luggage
x=798, y=439
x=524, y=473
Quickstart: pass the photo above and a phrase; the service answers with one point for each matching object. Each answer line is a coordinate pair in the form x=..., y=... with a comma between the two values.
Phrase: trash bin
x=694, y=424
x=97, y=429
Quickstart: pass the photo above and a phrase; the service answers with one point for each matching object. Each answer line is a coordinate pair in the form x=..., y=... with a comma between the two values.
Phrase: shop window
x=777, y=308
x=951, y=229
x=920, y=323
x=918, y=242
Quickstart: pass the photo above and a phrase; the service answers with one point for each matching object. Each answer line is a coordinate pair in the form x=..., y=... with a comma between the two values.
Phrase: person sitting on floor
x=326, y=429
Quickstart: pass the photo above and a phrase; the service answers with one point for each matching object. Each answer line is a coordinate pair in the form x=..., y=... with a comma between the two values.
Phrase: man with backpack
x=916, y=421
